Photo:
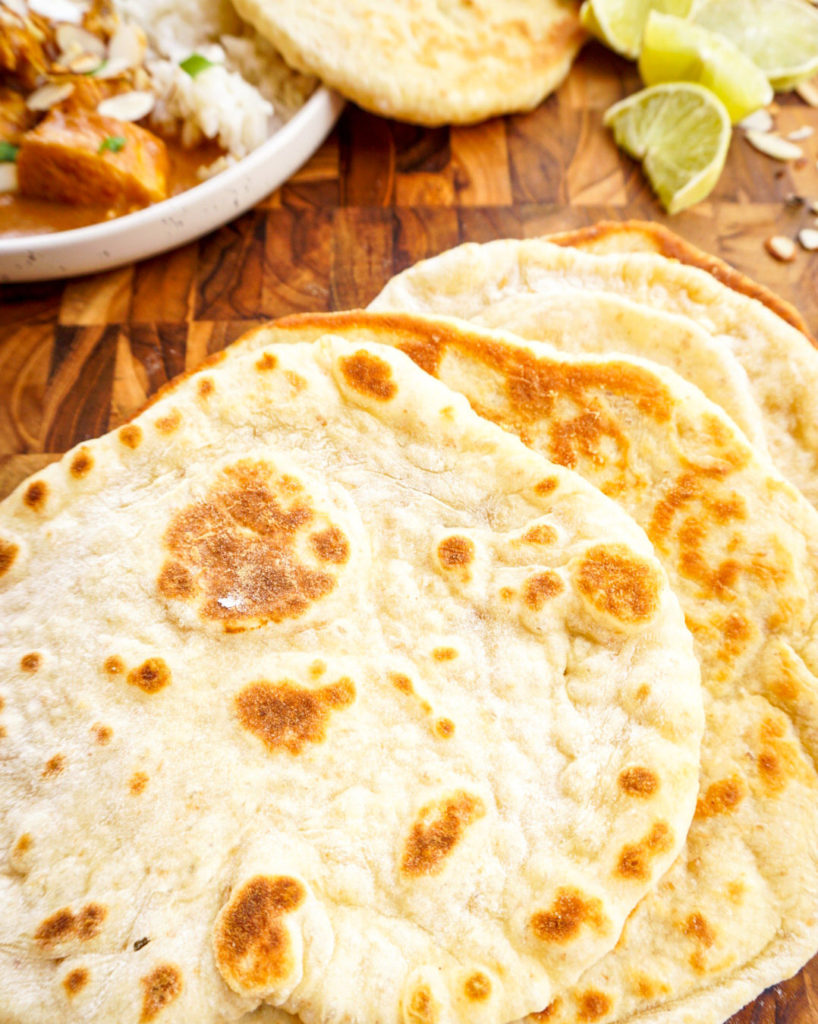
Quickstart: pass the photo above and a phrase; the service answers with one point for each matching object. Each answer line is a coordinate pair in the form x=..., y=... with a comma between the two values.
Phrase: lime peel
x=619, y=23
x=675, y=50
x=680, y=132
x=780, y=36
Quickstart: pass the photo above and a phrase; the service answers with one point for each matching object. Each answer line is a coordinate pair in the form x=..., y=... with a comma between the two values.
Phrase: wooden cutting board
x=78, y=358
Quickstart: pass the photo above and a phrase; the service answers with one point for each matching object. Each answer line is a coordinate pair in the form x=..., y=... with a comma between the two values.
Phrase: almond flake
x=773, y=145
x=59, y=10
x=84, y=64
x=781, y=247
x=74, y=41
x=128, y=106
x=759, y=121
x=17, y=7
x=800, y=133
x=127, y=46
x=808, y=239
x=49, y=95
x=808, y=91
x=112, y=69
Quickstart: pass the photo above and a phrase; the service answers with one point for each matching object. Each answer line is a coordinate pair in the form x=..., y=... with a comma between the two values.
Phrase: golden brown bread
x=423, y=61
x=502, y=283
x=738, y=910
x=308, y=673
x=648, y=236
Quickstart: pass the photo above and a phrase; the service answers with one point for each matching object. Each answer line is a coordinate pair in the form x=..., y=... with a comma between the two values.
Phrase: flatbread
x=780, y=364
x=582, y=321
x=607, y=237
x=308, y=674
x=424, y=61
x=738, y=910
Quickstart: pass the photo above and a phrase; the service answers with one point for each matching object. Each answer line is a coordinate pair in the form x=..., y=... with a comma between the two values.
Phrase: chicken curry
x=74, y=148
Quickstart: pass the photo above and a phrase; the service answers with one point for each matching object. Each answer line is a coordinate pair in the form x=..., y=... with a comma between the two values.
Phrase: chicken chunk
x=82, y=157
x=101, y=18
x=89, y=92
x=15, y=117
x=24, y=47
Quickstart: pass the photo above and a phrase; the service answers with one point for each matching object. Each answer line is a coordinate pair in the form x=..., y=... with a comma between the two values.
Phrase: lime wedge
x=681, y=132
x=620, y=23
x=780, y=36
x=675, y=50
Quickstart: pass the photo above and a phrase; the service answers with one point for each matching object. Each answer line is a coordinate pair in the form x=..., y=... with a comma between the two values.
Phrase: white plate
x=177, y=220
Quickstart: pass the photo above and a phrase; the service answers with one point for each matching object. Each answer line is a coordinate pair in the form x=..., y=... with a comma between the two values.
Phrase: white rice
x=216, y=104
x=175, y=28
x=239, y=101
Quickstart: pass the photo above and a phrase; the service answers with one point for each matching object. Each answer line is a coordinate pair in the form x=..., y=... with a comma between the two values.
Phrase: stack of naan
x=691, y=397
x=449, y=662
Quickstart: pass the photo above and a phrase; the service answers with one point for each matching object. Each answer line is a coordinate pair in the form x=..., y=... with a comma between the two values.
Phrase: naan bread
x=424, y=61
x=780, y=364
x=320, y=691
x=739, y=908
x=648, y=236
x=580, y=322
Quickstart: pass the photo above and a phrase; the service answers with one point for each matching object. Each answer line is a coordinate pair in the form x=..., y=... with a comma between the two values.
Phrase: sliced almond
x=17, y=7
x=773, y=145
x=84, y=64
x=808, y=239
x=759, y=121
x=8, y=177
x=142, y=80
x=112, y=69
x=800, y=133
x=128, y=106
x=59, y=10
x=73, y=41
x=127, y=46
x=48, y=96
x=781, y=247
x=808, y=91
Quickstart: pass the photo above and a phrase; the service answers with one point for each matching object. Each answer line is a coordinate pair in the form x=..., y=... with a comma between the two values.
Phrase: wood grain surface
x=79, y=357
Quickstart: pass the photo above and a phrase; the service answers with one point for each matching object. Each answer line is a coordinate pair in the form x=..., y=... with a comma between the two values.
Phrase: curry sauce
x=74, y=107
x=22, y=215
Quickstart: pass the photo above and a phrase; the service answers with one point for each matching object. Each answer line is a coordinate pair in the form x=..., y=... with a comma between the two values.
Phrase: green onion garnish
x=8, y=153
x=195, y=64
x=113, y=144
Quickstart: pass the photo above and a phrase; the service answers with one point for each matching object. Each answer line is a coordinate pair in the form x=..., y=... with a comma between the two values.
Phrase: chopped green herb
x=8, y=152
x=113, y=144
x=195, y=64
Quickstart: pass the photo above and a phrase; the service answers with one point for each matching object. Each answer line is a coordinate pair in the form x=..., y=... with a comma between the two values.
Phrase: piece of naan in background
x=606, y=237
x=319, y=690
x=738, y=910
x=423, y=61
x=780, y=364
